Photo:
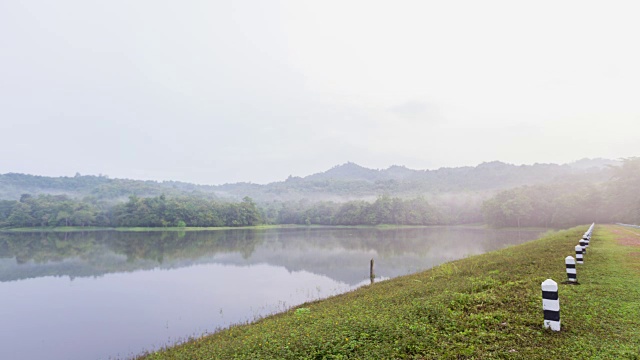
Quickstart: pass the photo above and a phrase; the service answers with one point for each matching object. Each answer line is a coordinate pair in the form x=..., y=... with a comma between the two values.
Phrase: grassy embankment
x=486, y=306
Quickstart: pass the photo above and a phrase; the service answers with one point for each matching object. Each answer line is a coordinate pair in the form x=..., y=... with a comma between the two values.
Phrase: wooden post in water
x=372, y=275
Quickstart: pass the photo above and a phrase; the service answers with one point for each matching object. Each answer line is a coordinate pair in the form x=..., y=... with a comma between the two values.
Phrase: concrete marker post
x=579, y=257
x=586, y=237
x=584, y=246
x=551, y=305
x=570, y=264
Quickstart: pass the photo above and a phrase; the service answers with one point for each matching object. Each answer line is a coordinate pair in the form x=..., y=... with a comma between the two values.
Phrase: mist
x=225, y=92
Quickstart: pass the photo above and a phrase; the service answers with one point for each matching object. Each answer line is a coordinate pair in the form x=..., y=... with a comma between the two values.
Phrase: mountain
x=349, y=171
x=343, y=182
x=598, y=163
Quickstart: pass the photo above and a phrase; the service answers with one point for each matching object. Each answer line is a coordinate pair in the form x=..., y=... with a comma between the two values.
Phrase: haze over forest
x=265, y=96
x=315, y=137
x=494, y=193
x=214, y=92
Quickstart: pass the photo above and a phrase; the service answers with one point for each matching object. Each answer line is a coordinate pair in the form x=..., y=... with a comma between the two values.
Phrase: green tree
x=21, y=216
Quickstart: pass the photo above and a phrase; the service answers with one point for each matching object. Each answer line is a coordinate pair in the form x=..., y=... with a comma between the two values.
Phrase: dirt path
x=627, y=236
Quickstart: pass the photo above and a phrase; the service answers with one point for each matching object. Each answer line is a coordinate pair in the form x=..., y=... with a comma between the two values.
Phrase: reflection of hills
x=342, y=254
x=101, y=252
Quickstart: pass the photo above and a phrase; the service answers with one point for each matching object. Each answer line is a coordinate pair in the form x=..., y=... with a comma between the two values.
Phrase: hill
x=340, y=183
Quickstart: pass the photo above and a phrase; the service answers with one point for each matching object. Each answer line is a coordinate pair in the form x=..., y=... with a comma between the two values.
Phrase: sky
x=224, y=91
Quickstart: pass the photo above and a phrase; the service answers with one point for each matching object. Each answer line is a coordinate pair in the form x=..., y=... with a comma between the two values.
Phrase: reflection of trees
x=341, y=253
x=386, y=242
x=41, y=247
x=184, y=245
x=344, y=253
x=389, y=242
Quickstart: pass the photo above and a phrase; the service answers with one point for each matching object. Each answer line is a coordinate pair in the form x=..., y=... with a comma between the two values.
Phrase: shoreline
x=482, y=306
x=258, y=227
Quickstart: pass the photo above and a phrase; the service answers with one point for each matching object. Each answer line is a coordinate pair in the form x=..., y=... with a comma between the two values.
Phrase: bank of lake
x=482, y=307
x=255, y=227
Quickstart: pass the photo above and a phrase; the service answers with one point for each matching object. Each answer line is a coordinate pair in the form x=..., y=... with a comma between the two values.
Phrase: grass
x=483, y=307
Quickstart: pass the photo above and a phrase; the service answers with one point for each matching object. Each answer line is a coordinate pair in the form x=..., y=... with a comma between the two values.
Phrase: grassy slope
x=486, y=306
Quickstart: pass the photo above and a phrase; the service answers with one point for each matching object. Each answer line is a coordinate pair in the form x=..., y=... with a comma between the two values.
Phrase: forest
x=565, y=204
x=159, y=211
x=163, y=211
x=559, y=203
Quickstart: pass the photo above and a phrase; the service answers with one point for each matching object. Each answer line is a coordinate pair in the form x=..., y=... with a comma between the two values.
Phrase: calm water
x=101, y=295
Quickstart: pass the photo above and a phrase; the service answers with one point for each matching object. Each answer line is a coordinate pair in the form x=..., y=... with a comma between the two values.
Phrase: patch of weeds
x=302, y=311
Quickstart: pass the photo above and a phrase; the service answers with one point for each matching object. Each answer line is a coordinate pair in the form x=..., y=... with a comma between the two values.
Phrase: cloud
x=226, y=91
x=416, y=110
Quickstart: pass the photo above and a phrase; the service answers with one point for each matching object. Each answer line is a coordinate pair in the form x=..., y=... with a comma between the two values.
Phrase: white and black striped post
x=551, y=305
x=570, y=263
x=584, y=246
x=579, y=257
x=587, y=235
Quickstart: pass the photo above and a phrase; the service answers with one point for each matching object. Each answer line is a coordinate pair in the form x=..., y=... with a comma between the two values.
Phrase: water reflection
x=122, y=292
x=340, y=253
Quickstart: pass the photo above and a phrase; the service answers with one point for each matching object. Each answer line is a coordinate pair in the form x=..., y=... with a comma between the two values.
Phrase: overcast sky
x=225, y=91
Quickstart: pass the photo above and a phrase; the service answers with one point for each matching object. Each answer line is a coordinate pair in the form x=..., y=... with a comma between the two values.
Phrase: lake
x=108, y=294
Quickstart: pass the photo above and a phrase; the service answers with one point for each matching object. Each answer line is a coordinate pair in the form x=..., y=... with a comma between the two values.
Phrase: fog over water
x=96, y=295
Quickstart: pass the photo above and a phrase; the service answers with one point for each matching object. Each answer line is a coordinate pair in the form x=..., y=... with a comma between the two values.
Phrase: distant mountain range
x=343, y=182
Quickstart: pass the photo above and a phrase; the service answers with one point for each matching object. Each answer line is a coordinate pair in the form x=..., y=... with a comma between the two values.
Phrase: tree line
x=163, y=211
x=567, y=204
x=384, y=210
x=159, y=211
x=559, y=204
